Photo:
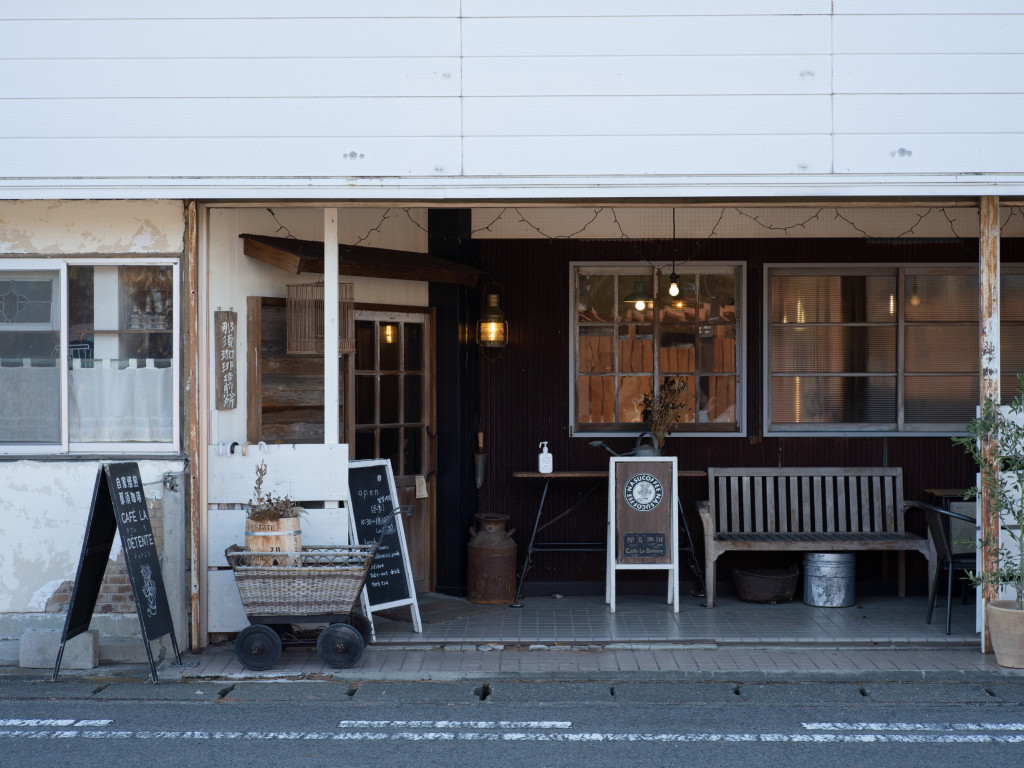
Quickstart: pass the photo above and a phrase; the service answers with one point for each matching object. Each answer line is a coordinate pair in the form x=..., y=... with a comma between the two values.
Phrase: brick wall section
x=115, y=593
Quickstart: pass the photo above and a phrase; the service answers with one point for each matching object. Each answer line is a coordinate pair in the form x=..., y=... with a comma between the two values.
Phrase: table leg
x=529, y=548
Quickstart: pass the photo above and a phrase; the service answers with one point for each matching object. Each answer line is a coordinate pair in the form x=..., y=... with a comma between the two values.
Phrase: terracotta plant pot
x=1006, y=628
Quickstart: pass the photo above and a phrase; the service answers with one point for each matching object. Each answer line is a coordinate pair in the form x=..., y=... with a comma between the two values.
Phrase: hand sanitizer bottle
x=545, y=462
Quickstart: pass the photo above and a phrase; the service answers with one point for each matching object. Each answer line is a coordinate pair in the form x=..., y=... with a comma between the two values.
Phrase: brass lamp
x=492, y=330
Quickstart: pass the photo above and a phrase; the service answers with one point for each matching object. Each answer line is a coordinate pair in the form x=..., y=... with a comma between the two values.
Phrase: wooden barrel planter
x=283, y=535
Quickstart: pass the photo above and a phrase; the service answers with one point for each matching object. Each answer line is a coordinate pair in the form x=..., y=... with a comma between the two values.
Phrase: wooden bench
x=828, y=509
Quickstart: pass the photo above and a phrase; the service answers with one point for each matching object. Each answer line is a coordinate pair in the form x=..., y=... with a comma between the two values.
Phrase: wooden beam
x=988, y=258
x=332, y=405
x=307, y=256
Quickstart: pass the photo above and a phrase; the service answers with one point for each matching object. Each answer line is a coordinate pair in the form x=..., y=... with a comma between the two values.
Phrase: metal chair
x=946, y=528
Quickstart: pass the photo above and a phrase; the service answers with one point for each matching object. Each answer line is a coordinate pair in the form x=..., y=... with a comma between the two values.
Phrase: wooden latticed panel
x=305, y=319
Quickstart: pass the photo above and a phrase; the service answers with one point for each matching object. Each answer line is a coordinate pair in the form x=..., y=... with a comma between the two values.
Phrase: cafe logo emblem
x=644, y=492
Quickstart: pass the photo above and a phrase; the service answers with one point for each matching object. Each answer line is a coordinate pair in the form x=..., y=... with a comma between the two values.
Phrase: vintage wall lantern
x=492, y=330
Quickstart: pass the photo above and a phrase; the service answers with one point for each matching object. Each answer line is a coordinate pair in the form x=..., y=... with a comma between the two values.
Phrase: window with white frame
x=881, y=349
x=625, y=346
x=88, y=355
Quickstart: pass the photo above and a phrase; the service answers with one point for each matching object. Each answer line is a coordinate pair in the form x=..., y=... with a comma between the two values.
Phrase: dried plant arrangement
x=270, y=506
x=667, y=408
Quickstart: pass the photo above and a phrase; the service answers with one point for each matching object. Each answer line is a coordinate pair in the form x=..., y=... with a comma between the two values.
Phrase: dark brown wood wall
x=524, y=395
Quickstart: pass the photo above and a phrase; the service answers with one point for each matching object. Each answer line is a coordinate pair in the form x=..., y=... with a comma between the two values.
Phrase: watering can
x=646, y=449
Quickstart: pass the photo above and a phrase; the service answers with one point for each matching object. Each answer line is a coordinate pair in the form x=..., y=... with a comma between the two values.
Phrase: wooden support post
x=332, y=405
x=193, y=438
x=988, y=258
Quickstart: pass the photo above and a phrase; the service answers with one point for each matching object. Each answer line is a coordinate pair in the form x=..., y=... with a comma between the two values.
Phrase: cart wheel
x=362, y=625
x=340, y=645
x=258, y=647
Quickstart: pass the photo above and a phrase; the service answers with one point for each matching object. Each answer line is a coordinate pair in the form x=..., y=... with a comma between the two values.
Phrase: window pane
x=941, y=298
x=833, y=400
x=630, y=286
x=390, y=347
x=940, y=399
x=941, y=348
x=413, y=398
x=1011, y=347
x=717, y=297
x=636, y=348
x=833, y=298
x=717, y=399
x=413, y=347
x=595, y=399
x=717, y=347
x=366, y=342
x=678, y=349
x=596, y=351
x=389, y=399
x=631, y=389
x=1011, y=297
x=413, y=453
x=366, y=400
x=29, y=347
x=596, y=298
x=121, y=378
x=835, y=349
x=366, y=445
x=390, y=440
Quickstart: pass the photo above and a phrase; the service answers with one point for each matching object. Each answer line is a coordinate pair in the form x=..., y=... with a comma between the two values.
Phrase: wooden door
x=392, y=417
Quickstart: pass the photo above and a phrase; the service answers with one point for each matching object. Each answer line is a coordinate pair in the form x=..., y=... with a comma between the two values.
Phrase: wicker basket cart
x=317, y=586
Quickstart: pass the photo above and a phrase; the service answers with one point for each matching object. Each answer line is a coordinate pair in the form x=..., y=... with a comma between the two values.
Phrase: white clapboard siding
x=172, y=118
x=644, y=75
x=931, y=113
x=929, y=73
x=929, y=153
x=600, y=155
x=335, y=77
x=647, y=115
x=929, y=33
x=646, y=36
x=513, y=8
x=204, y=9
x=268, y=38
x=218, y=157
x=882, y=7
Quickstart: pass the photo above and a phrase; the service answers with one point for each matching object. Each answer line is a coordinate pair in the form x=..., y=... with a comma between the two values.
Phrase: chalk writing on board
x=643, y=545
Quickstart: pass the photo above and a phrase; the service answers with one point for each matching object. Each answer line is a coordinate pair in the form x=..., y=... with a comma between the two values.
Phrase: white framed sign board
x=374, y=497
x=643, y=530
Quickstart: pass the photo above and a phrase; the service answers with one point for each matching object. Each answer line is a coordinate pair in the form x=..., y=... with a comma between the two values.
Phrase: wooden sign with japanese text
x=225, y=327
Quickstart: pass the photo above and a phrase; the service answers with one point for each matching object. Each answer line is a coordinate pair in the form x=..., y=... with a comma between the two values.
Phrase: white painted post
x=332, y=406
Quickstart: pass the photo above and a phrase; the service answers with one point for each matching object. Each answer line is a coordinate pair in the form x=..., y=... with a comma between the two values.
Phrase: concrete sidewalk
x=577, y=639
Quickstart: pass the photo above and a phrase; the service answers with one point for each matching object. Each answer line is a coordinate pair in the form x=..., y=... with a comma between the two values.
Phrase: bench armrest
x=924, y=505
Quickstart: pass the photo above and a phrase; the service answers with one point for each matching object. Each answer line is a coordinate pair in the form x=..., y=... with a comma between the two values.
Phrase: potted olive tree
x=272, y=522
x=1002, y=477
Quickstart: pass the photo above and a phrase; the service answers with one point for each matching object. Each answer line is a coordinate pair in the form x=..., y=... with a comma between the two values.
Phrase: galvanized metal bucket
x=828, y=579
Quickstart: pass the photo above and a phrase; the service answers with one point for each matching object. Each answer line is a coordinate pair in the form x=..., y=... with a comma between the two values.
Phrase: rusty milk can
x=492, y=560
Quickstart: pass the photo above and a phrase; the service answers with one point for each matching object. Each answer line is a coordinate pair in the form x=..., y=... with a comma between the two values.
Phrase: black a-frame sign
x=119, y=503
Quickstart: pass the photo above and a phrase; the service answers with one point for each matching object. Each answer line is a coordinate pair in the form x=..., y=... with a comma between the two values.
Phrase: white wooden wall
x=494, y=98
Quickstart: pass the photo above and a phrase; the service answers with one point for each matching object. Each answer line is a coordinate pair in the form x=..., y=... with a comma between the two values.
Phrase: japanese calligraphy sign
x=224, y=362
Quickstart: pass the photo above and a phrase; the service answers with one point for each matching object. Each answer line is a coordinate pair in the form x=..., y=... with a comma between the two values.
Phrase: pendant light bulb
x=915, y=297
x=673, y=286
x=640, y=305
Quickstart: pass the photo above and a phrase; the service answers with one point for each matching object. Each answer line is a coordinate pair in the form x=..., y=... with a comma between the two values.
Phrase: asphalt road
x=511, y=724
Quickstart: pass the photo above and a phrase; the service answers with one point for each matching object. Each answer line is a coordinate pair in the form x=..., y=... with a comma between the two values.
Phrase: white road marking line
x=513, y=736
x=942, y=727
x=19, y=722
x=455, y=724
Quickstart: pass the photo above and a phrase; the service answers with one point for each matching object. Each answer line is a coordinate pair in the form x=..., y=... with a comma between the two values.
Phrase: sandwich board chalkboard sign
x=119, y=504
x=643, y=530
x=389, y=582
